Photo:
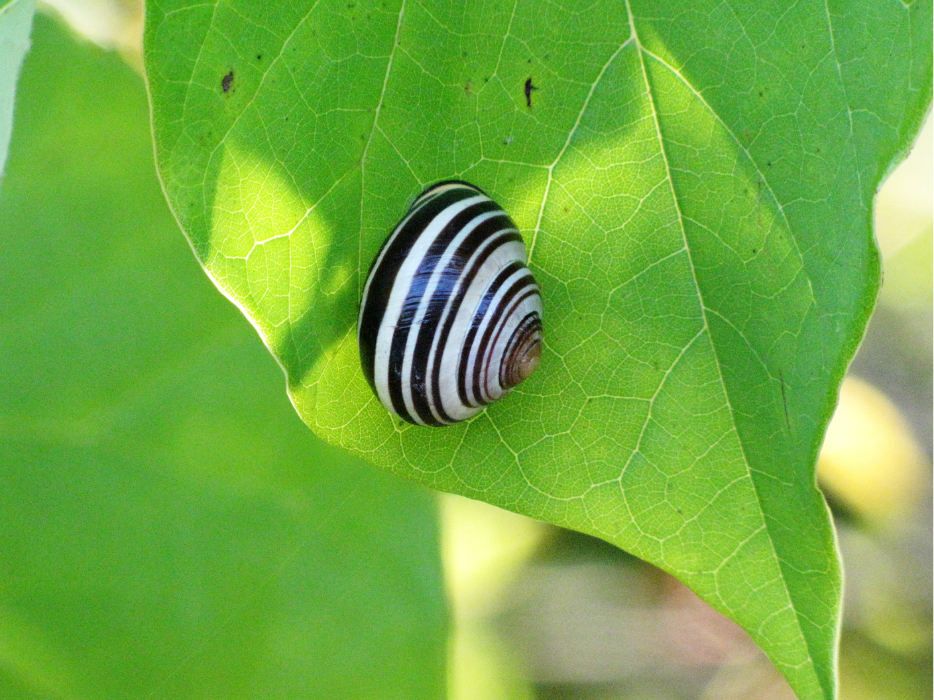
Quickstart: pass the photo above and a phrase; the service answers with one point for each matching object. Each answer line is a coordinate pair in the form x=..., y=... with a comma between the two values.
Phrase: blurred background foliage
x=538, y=612
x=169, y=528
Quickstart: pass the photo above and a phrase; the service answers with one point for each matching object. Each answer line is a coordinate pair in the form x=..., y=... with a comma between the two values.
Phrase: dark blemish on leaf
x=486, y=80
x=467, y=86
x=769, y=164
x=760, y=93
x=227, y=81
x=508, y=140
x=528, y=92
x=351, y=5
x=529, y=61
x=259, y=57
x=463, y=54
x=754, y=251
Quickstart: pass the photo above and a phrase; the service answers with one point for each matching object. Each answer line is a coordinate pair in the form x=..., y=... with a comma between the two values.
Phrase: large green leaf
x=168, y=526
x=15, y=23
x=694, y=182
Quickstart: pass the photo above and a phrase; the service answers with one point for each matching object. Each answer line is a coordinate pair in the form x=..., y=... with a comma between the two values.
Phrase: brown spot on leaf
x=227, y=81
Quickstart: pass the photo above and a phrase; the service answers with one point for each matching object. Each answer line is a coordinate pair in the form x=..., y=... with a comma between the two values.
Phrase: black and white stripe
x=451, y=316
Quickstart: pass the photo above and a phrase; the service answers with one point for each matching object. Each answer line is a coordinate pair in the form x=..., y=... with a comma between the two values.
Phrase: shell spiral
x=451, y=317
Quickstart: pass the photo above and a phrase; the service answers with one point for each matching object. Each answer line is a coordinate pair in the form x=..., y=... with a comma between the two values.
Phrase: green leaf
x=15, y=23
x=694, y=183
x=168, y=527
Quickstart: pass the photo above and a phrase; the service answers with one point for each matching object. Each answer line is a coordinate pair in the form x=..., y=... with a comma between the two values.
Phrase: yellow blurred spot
x=483, y=666
x=870, y=461
x=909, y=274
x=483, y=548
x=905, y=202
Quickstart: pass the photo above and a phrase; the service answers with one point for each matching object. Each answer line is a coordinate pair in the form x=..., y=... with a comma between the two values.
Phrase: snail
x=451, y=317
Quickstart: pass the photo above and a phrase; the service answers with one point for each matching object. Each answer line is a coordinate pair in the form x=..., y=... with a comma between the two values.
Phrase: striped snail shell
x=451, y=317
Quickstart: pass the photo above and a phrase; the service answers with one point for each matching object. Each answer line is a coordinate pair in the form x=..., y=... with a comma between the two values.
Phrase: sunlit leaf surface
x=168, y=527
x=694, y=183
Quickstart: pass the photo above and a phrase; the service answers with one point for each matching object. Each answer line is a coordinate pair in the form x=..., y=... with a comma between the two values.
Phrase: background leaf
x=15, y=23
x=694, y=183
x=168, y=527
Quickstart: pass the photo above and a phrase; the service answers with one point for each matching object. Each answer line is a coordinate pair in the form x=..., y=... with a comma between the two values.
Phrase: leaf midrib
x=661, y=146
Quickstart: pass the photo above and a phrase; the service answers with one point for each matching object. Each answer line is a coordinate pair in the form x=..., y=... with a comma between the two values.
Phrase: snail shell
x=450, y=318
